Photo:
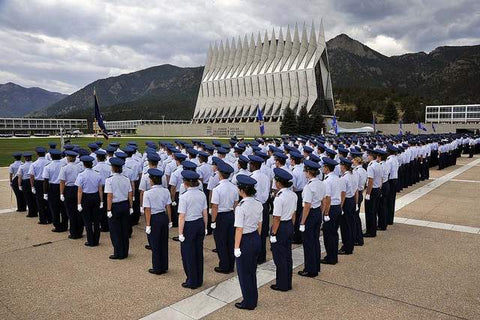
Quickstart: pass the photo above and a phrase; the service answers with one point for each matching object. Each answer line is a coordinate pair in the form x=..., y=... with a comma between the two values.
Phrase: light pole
x=163, y=124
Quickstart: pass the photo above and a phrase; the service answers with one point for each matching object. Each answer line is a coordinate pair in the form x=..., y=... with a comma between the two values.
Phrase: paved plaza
x=425, y=266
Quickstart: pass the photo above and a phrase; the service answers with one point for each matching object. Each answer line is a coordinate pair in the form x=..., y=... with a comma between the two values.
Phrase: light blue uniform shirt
x=351, y=184
x=262, y=186
x=192, y=203
x=225, y=195
x=36, y=169
x=89, y=181
x=248, y=214
x=299, y=178
x=314, y=192
x=334, y=187
x=176, y=179
x=362, y=177
x=23, y=170
x=393, y=161
x=104, y=170
x=119, y=186
x=52, y=172
x=375, y=171
x=285, y=204
x=69, y=174
x=13, y=168
x=157, y=198
x=205, y=171
x=134, y=166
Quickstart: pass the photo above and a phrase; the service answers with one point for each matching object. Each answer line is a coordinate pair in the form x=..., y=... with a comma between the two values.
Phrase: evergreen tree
x=409, y=114
x=303, y=121
x=364, y=111
x=390, y=114
x=289, y=123
x=316, y=120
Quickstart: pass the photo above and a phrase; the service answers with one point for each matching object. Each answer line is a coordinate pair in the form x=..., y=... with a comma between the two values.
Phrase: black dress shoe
x=215, y=250
x=41, y=222
x=358, y=244
x=297, y=242
x=304, y=273
x=324, y=261
x=261, y=261
x=276, y=288
x=114, y=257
x=148, y=247
x=56, y=230
x=175, y=239
x=381, y=229
x=239, y=305
x=368, y=235
x=31, y=216
x=88, y=244
x=219, y=270
x=152, y=271
x=343, y=252
x=185, y=285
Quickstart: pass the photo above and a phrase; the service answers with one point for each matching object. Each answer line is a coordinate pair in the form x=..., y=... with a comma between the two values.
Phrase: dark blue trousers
x=103, y=214
x=330, y=234
x=347, y=224
x=76, y=221
x=21, y=205
x=262, y=257
x=247, y=268
x=382, y=213
x=282, y=255
x=57, y=209
x=29, y=198
x=91, y=217
x=119, y=225
x=392, y=196
x=224, y=236
x=192, y=252
x=44, y=215
x=209, y=216
x=159, y=241
x=297, y=235
x=311, y=241
x=175, y=210
x=357, y=230
x=371, y=207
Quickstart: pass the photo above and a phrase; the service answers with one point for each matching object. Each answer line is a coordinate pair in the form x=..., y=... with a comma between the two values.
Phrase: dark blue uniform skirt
x=119, y=225
x=330, y=234
x=76, y=221
x=347, y=224
x=91, y=217
x=224, y=236
x=247, y=268
x=311, y=241
x=192, y=252
x=282, y=255
x=159, y=241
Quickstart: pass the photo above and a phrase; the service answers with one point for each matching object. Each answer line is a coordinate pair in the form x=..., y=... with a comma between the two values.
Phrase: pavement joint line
x=33, y=246
x=388, y=298
x=8, y=210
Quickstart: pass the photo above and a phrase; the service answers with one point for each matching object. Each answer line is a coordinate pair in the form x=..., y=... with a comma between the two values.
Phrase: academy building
x=282, y=70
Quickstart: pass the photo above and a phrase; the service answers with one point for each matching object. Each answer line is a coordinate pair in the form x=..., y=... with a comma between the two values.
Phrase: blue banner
x=261, y=123
x=99, y=117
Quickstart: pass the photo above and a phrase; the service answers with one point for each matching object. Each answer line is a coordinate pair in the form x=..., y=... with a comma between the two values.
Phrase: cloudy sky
x=64, y=45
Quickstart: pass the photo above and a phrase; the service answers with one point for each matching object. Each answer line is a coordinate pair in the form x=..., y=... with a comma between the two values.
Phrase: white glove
x=273, y=239
x=148, y=229
x=109, y=214
x=170, y=225
x=45, y=196
x=142, y=210
x=131, y=211
x=20, y=188
x=206, y=231
x=367, y=197
x=237, y=252
x=62, y=198
x=34, y=191
x=302, y=228
x=326, y=218
x=133, y=198
x=181, y=237
x=79, y=208
x=356, y=207
x=101, y=205
x=174, y=204
x=213, y=225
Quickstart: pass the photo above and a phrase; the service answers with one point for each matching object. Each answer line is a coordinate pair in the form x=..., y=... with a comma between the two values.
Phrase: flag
x=421, y=126
x=334, y=124
x=99, y=117
x=373, y=123
x=261, y=123
x=433, y=128
x=400, y=130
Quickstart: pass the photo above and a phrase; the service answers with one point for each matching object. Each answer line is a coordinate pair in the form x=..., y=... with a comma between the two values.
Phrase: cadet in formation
x=68, y=195
x=15, y=183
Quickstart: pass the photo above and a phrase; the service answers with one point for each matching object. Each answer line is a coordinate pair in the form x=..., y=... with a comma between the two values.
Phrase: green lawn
x=11, y=145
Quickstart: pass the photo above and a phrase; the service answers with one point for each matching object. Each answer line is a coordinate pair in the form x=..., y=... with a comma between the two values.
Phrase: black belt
x=158, y=212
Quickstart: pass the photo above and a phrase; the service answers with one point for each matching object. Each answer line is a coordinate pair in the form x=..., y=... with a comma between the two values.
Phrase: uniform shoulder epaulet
x=278, y=194
x=240, y=203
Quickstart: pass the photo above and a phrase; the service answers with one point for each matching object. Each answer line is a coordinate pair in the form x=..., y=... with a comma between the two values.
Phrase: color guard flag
x=99, y=117
x=400, y=130
x=433, y=128
x=421, y=126
x=334, y=124
x=261, y=123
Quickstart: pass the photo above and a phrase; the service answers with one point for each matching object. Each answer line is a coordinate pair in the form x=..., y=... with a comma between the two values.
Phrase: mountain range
x=17, y=101
x=448, y=74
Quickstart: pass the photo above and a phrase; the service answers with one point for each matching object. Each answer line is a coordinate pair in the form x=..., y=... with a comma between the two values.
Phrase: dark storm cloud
x=65, y=44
